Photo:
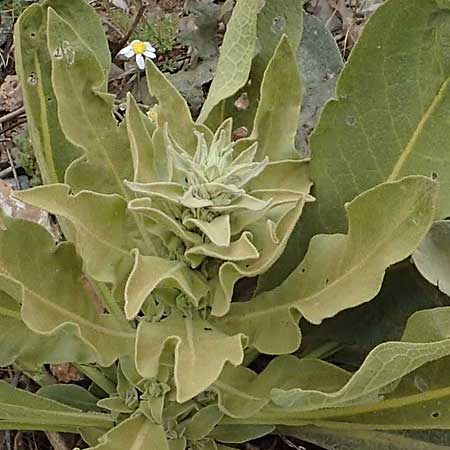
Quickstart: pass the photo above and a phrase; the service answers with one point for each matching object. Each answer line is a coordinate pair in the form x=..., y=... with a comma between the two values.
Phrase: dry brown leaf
x=65, y=372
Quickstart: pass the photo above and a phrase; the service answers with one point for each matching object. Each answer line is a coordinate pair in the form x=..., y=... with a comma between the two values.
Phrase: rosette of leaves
x=166, y=216
x=222, y=213
x=173, y=232
x=163, y=219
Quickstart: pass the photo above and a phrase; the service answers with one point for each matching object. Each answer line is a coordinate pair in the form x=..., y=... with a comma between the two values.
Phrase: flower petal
x=130, y=53
x=140, y=62
x=127, y=51
x=149, y=47
x=151, y=55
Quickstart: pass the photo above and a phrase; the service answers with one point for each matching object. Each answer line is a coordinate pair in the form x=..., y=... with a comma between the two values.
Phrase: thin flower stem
x=135, y=23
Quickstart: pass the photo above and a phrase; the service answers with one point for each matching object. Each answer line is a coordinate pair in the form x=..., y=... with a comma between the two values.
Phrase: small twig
x=7, y=440
x=122, y=75
x=112, y=26
x=289, y=443
x=18, y=440
x=5, y=130
x=11, y=162
x=57, y=441
x=13, y=114
x=5, y=172
x=135, y=23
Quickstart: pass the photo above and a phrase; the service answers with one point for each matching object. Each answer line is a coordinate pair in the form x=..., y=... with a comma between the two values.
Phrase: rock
x=10, y=94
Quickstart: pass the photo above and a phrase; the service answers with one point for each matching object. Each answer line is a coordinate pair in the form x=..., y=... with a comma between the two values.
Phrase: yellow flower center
x=139, y=48
x=152, y=114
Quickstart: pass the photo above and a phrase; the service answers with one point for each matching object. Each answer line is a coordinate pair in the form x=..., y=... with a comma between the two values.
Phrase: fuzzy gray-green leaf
x=86, y=113
x=46, y=279
x=341, y=271
x=236, y=55
x=432, y=258
x=390, y=118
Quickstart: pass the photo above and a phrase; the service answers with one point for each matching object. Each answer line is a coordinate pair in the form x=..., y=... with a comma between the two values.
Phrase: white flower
x=142, y=50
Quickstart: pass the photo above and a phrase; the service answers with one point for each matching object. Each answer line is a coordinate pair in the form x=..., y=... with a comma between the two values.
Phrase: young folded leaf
x=173, y=110
x=149, y=160
x=222, y=211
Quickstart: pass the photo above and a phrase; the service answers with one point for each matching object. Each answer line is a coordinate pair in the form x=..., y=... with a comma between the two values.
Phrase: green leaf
x=240, y=434
x=276, y=119
x=151, y=272
x=91, y=435
x=47, y=280
x=70, y=395
x=432, y=258
x=104, y=239
x=277, y=18
x=268, y=236
x=135, y=433
x=173, y=110
x=358, y=330
x=340, y=271
x=236, y=55
x=52, y=149
x=242, y=393
x=114, y=404
x=85, y=113
x=149, y=161
x=390, y=118
x=321, y=62
x=17, y=341
x=203, y=422
x=22, y=406
x=200, y=352
x=335, y=439
x=87, y=23
x=177, y=444
x=240, y=250
x=426, y=339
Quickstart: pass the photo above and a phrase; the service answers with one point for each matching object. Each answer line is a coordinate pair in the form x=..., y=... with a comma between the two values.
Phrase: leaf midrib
x=344, y=411
x=417, y=132
x=74, y=319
